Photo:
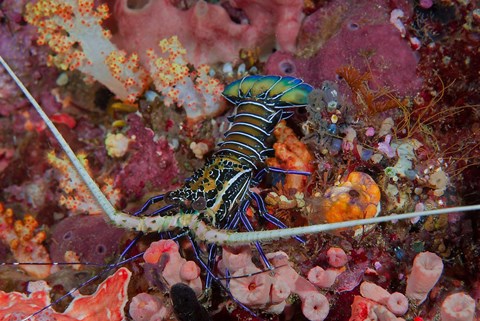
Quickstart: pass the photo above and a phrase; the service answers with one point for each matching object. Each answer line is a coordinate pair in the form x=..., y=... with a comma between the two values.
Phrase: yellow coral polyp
x=356, y=198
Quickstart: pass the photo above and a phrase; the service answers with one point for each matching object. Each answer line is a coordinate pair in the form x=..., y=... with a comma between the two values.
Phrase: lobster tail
x=274, y=91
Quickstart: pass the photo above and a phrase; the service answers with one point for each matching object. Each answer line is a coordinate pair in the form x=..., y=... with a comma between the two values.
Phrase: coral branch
x=76, y=197
x=73, y=30
x=197, y=92
x=25, y=245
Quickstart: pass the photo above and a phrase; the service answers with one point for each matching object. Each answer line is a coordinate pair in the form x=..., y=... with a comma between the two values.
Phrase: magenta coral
x=150, y=163
x=362, y=27
x=73, y=30
x=426, y=270
x=458, y=307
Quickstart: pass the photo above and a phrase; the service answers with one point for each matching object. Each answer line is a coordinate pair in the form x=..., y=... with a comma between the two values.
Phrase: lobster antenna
x=247, y=237
x=106, y=206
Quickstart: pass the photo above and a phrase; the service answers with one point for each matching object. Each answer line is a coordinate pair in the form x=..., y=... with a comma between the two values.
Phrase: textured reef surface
x=392, y=126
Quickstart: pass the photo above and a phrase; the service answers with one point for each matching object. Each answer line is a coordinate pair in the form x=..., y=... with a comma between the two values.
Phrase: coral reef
x=197, y=91
x=392, y=127
x=174, y=268
x=291, y=154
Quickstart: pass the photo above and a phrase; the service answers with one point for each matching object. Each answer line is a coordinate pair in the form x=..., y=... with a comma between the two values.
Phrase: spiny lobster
x=214, y=200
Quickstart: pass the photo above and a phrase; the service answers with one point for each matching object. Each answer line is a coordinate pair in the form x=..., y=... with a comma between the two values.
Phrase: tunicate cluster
x=323, y=123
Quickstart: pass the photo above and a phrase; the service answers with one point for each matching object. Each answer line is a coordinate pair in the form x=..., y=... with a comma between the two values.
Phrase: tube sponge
x=458, y=307
x=426, y=270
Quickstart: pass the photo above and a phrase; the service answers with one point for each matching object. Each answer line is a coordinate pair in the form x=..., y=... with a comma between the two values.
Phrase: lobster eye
x=199, y=204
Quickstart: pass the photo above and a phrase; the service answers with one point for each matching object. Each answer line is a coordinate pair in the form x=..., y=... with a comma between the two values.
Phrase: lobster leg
x=249, y=228
x=149, y=203
x=261, y=173
x=269, y=217
x=212, y=248
x=212, y=276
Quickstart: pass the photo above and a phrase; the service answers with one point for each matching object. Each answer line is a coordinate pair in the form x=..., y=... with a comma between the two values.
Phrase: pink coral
x=271, y=290
x=206, y=29
x=337, y=257
x=107, y=303
x=426, y=270
x=315, y=306
x=254, y=290
x=397, y=303
x=364, y=309
x=458, y=307
x=374, y=292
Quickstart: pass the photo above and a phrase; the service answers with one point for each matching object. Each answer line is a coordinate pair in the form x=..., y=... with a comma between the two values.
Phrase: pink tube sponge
x=252, y=290
x=336, y=257
x=189, y=271
x=397, y=303
x=374, y=292
x=315, y=306
x=458, y=307
x=176, y=269
x=426, y=270
x=145, y=307
x=322, y=278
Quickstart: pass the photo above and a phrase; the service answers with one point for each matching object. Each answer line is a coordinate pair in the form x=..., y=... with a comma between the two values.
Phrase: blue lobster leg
x=212, y=276
x=148, y=203
x=261, y=173
x=249, y=228
x=152, y=201
x=210, y=265
x=212, y=249
x=269, y=217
